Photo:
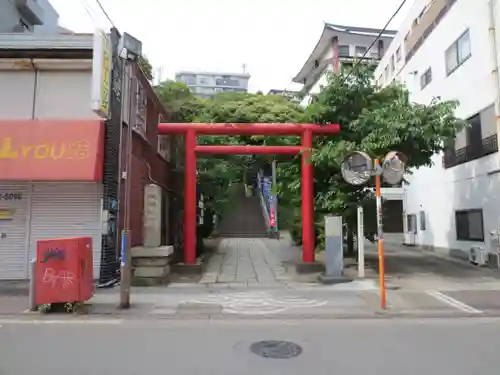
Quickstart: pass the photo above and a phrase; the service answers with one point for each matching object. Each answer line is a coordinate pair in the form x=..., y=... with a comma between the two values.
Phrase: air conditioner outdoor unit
x=478, y=256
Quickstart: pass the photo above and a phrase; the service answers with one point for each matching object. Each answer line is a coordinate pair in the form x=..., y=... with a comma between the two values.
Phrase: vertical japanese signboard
x=101, y=74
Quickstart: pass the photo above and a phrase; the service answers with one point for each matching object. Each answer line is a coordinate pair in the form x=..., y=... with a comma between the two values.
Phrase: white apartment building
x=448, y=49
x=339, y=46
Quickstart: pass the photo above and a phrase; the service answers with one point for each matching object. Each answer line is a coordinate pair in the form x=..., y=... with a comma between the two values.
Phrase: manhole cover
x=276, y=349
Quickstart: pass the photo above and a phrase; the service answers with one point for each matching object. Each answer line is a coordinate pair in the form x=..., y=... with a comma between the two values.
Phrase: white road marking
x=62, y=321
x=453, y=302
x=256, y=303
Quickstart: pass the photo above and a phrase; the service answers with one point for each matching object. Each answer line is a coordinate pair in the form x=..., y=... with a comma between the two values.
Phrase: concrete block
x=159, y=272
x=306, y=268
x=150, y=262
x=152, y=252
x=149, y=281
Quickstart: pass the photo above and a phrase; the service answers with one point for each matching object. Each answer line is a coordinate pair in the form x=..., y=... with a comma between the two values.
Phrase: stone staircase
x=151, y=265
x=244, y=219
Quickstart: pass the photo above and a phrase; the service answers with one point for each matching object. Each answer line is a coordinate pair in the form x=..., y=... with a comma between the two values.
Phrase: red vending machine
x=64, y=270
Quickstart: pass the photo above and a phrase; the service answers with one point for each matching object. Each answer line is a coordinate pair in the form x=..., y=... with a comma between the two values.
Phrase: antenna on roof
x=244, y=66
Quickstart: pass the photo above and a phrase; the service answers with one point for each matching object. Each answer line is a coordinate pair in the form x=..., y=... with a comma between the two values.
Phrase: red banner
x=51, y=150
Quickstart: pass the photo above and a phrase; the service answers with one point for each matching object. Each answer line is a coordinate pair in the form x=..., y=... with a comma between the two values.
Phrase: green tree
x=145, y=66
x=372, y=119
x=182, y=104
x=216, y=174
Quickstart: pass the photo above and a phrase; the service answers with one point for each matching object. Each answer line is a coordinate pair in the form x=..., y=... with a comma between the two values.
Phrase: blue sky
x=273, y=38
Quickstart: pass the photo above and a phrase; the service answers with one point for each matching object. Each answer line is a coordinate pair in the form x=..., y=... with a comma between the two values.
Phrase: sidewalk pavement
x=414, y=269
x=356, y=300
x=249, y=278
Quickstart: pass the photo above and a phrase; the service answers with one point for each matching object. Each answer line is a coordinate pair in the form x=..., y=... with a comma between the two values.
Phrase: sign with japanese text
x=59, y=150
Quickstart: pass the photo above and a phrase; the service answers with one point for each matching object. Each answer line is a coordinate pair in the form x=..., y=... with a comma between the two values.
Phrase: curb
x=132, y=316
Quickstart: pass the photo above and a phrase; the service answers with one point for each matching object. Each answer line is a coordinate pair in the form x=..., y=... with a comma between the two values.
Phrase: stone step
x=152, y=252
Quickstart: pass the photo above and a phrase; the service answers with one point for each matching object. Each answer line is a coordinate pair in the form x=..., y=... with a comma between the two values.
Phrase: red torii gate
x=190, y=131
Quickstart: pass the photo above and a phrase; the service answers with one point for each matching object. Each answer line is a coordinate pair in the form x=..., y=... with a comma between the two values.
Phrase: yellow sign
x=6, y=214
x=101, y=74
x=42, y=151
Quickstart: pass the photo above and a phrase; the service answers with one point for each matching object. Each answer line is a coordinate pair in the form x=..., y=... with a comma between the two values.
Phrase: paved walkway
x=415, y=269
x=249, y=261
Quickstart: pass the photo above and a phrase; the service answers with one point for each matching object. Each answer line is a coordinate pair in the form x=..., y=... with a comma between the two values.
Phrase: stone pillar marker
x=334, y=251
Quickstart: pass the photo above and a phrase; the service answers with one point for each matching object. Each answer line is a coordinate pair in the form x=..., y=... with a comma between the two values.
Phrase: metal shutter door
x=67, y=210
x=14, y=244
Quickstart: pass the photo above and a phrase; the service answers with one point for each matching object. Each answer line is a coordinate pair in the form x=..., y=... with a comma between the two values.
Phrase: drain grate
x=276, y=349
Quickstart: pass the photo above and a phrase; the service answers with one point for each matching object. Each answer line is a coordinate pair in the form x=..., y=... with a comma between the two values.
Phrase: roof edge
x=359, y=30
x=20, y=41
x=296, y=79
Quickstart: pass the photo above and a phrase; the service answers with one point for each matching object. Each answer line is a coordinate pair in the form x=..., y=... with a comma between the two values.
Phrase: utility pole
x=129, y=50
x=126, y=256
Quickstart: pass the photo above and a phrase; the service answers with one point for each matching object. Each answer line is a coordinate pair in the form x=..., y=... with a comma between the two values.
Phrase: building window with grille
x=344, y=51
x=469, y=225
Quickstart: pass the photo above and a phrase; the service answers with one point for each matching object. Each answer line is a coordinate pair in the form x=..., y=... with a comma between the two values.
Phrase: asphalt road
x=336, y=347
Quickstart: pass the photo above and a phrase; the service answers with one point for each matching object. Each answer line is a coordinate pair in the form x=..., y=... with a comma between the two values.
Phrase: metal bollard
x=32, y=299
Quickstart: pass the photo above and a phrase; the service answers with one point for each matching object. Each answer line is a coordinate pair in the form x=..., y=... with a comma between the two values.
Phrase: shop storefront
x=50, y=187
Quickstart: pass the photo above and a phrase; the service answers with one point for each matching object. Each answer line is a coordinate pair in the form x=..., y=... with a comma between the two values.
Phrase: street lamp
x=357, y=169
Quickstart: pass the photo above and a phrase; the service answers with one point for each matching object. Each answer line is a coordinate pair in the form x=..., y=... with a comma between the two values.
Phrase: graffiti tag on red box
x=57, y=276
x=53, y=253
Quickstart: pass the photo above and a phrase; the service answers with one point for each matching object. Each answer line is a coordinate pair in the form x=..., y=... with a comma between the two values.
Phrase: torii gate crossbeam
x=190, y=131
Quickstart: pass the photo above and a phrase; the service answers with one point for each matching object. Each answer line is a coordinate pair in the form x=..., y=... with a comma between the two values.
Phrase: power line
x=87, y=9
x=356, y=64
x=105, y=13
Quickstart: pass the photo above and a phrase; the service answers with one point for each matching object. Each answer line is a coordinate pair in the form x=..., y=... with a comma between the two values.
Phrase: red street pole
x=307, y=199
x=380, y=235
x=190, y=198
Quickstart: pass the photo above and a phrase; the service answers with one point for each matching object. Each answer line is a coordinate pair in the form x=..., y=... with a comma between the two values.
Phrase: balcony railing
x=452, y=158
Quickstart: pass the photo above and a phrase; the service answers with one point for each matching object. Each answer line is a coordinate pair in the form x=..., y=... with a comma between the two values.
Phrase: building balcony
x=452, y=158
x=425, y=24
x=31, y=11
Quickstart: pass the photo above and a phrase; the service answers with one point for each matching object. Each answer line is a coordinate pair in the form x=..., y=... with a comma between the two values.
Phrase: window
x=458, y=53
x=189, y=80
x=360, y=50
x=474, y=137
x=386, y=73
x=225, y=81
x=469, y=225
x=399, y=55
x=426, y=78
x=344, y=51
x=393, y=66
x=423, y=224
x=164, y=143
x=141, y=110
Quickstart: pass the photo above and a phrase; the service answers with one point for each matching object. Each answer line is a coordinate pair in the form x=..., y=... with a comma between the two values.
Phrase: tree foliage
x=375, y=120
x=179, y=101
x=145, y=66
